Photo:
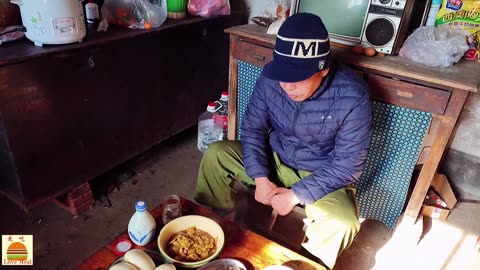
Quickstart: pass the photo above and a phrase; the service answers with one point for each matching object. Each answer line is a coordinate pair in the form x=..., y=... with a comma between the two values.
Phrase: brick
x=80, y=190
x=82, y=199
x=78, y=200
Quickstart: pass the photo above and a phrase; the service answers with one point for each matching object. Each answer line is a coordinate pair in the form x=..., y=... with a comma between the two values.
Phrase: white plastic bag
x=136, y=14
x=207, y=8
x=435, y=47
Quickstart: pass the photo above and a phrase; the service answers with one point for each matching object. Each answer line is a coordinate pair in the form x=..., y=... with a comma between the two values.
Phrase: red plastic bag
x=136, y=14
x=207, y=8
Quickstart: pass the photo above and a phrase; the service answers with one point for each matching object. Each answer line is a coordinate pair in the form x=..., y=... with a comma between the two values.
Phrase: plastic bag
x=207, y=8
x=463, y=15
x=435, y=47
x=135, y=14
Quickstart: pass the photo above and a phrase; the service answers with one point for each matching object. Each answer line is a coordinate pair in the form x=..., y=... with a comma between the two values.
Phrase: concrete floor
x=62, y=241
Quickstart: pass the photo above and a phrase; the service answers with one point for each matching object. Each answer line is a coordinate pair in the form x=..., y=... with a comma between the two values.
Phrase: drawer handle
x=259, y=57
x=404, y=94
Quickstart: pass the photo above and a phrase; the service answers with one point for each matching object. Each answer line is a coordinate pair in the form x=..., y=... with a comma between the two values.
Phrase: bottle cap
x=436, y=2
x=211, y=107
x=224, y=96
x=122, y=246
x=141, y=206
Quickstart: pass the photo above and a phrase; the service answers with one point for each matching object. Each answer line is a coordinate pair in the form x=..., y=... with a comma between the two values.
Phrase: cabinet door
x=70, y=118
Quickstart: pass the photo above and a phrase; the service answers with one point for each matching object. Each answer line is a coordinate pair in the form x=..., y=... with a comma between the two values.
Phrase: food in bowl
x=191, y=245
x=180, y=226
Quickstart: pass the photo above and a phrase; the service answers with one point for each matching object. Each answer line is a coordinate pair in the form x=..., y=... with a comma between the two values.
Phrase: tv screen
x=341, y=17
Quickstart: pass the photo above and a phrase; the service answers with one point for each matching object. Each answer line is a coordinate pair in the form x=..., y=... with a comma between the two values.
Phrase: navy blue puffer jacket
x=328, y=134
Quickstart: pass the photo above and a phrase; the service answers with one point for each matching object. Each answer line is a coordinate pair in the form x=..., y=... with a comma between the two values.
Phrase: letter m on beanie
x=304, y=48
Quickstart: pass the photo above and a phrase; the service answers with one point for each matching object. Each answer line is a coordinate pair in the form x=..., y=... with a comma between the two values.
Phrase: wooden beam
x=447, y=124
x=232, y=93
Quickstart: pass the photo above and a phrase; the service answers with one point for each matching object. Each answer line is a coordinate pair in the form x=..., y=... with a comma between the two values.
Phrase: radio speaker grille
x=380, y=32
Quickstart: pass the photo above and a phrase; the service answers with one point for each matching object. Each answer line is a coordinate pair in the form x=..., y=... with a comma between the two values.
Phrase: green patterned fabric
x=397, y=138
x=396, y=142
x=247, y=76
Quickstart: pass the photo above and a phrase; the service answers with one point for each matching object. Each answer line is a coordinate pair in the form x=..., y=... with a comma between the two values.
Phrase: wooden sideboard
x=392, y=79
x=72, y=112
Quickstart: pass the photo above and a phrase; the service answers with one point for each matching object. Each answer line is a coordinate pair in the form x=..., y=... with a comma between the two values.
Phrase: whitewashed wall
x=467, y=136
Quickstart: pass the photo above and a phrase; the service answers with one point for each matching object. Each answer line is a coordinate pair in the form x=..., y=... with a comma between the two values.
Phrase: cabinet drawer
x=408, y=94
x=251, y=53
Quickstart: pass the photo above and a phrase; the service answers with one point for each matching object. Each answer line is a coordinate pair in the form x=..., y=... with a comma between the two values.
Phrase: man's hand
x=263, y=190
x=283, y=201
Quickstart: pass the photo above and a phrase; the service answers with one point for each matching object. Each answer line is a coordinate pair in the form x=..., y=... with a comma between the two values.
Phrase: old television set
x=382, y=24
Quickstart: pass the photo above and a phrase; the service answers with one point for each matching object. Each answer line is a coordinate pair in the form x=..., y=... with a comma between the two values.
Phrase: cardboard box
x=442, y=187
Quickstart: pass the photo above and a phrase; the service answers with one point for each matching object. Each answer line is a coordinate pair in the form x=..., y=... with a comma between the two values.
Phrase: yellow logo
x=17, y=249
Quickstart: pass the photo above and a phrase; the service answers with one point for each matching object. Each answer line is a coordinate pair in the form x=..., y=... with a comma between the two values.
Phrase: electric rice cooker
x=52, y=21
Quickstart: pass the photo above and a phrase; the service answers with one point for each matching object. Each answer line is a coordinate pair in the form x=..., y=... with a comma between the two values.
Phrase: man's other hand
x=263, y=190
x=283, y=201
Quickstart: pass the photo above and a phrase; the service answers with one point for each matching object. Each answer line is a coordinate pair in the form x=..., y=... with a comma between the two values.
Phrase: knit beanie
x=302, y=48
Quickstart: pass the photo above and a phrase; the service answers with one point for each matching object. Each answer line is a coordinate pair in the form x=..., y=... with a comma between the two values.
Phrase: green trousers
x=332, y=221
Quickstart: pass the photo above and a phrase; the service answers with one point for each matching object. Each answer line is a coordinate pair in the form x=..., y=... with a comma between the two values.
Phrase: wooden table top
x=253, y=250
x=464, y=75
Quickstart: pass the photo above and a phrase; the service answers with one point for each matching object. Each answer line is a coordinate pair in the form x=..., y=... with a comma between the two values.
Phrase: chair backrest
x=397, y=138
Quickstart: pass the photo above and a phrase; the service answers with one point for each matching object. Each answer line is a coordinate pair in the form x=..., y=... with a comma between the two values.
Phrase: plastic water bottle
x=221, y=116
x=141, y=227
x=208, y=131
x=432, y=14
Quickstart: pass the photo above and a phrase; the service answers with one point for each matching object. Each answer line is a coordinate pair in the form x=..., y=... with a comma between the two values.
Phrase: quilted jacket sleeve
x=347, y=160
x=255, y=127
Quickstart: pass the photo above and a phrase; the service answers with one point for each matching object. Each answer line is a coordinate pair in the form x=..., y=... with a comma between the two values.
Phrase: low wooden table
x=253, y=250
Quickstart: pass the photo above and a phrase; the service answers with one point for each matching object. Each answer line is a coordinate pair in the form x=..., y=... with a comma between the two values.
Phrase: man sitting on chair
x=305, y=137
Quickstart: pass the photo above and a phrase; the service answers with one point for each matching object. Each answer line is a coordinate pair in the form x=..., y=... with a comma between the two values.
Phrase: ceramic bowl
x=183, y=223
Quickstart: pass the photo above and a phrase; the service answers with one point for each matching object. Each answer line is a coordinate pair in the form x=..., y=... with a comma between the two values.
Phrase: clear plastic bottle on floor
x=221, y=117
x=208, y=131
x=141, y=227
